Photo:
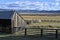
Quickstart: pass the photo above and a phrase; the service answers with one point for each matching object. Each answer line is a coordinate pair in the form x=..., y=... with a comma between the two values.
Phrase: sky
x=30, y=4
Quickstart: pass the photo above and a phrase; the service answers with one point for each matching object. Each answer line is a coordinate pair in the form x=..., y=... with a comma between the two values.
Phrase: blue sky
x=30, y=4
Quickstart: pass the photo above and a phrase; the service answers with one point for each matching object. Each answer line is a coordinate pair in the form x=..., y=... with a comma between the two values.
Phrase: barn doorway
x=5, y=28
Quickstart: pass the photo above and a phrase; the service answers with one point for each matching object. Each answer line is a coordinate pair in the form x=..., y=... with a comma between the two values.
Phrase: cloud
x=32, y=5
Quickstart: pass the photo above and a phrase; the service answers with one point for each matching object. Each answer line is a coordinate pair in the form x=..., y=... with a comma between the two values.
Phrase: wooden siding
x=18, y=21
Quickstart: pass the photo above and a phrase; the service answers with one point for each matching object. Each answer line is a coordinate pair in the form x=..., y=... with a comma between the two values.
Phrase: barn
x=11, y=22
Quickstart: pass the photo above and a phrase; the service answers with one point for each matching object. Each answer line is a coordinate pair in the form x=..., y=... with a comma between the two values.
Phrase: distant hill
x=33, y=11
x=37, y=11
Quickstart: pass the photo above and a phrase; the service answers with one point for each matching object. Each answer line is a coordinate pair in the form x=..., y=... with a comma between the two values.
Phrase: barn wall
x=18, y=23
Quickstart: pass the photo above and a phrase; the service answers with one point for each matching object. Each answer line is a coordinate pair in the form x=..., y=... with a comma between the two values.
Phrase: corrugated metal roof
x=6, y=14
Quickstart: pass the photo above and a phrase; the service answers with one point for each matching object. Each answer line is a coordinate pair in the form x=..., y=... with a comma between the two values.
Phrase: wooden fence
x=41, y=29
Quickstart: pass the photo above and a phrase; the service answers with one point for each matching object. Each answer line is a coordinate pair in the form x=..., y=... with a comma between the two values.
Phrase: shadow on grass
x=32, y=37
x=2, y=33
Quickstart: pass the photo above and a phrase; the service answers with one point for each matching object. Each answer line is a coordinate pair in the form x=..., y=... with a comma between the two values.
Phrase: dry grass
x=54, y=24
x=45, y=24
x=41, y=17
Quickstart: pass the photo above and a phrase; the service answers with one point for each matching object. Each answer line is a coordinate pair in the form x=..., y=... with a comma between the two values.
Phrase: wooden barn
x=11, y=22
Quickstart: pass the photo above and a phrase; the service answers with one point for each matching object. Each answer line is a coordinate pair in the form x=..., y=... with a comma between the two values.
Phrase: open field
x=41, y=17
x=46, y=24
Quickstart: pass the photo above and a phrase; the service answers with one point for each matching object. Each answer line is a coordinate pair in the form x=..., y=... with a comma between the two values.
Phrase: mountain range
x=33, y=11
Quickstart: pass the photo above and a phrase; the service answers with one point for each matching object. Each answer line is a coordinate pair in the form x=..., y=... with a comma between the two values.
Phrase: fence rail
x=41, y=29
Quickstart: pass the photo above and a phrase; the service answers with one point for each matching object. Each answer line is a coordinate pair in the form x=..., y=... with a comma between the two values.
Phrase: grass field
x=32, y=34
x=46, y=24
x=53, y=24
x=41, y=17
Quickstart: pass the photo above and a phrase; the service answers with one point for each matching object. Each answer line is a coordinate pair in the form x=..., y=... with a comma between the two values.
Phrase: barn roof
x=6, y=14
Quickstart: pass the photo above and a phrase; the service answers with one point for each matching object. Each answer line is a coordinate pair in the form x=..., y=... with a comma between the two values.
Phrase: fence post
x=56, y=33
x=25, y=31
x=41, y=32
